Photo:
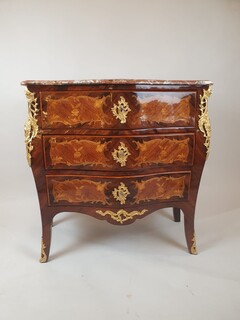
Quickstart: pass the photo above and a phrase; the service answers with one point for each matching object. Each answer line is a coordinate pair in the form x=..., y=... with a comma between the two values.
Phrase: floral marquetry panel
x=117, y=110
x=74, y=109
x=168, y=108
x=73, y=152
x=73, y=190
x=153, y=109
x=118, y=153
x=165, y=150
x=160, y=188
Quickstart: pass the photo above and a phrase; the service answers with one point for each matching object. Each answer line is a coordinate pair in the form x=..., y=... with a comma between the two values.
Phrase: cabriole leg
x=46, y=238
x=189, y=230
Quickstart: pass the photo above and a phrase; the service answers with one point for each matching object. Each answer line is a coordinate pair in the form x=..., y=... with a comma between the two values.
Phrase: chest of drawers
x=117, y=150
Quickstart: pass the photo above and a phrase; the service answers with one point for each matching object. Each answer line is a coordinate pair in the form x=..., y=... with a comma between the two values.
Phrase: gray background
x=97, y=270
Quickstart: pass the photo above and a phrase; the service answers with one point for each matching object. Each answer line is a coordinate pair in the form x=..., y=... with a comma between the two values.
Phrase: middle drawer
x=117, y=152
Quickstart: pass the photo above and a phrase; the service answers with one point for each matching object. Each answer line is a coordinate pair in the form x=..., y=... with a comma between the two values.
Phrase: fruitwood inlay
x=77, y=152
x=75, y=109
x=162, y=188
x=77, y=190
x=166, y=112
x=164, y=151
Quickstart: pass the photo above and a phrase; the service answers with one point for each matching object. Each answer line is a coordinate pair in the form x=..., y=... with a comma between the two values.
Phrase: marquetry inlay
x=160, y=188
x=165, y=151
x=77, y=191
x=73, y=109
x=78, y=152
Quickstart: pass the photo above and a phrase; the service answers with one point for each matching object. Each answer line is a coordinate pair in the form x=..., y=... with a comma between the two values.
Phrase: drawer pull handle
x=121, y=154
x=121, y=109
x=120, y=194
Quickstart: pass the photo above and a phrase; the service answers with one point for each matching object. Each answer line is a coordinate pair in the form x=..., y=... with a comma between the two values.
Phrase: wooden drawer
x=117, y=152
x=118, y=110
x=116, y=191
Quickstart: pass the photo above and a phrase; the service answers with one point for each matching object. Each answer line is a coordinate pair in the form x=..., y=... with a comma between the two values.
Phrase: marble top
x=116, y=81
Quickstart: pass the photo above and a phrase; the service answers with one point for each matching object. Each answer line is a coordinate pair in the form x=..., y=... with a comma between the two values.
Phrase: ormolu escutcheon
x=121, y=154
x=121, y=109
x=121, y=193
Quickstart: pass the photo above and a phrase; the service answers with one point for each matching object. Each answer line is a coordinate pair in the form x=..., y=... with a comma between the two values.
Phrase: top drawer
x=118, y=110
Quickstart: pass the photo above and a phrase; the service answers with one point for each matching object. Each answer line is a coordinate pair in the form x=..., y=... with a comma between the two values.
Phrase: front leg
x=46, y=236
x=189, y=214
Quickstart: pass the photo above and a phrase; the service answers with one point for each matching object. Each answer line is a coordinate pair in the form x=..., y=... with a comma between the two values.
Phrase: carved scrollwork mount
x=121, y=215
x=204, y=121
x=31, y=126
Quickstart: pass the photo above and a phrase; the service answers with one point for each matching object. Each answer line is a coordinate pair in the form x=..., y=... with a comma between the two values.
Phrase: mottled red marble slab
x=116, y=81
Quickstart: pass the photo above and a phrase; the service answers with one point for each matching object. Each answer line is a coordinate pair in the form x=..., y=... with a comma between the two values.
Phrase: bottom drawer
x=116, y=191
